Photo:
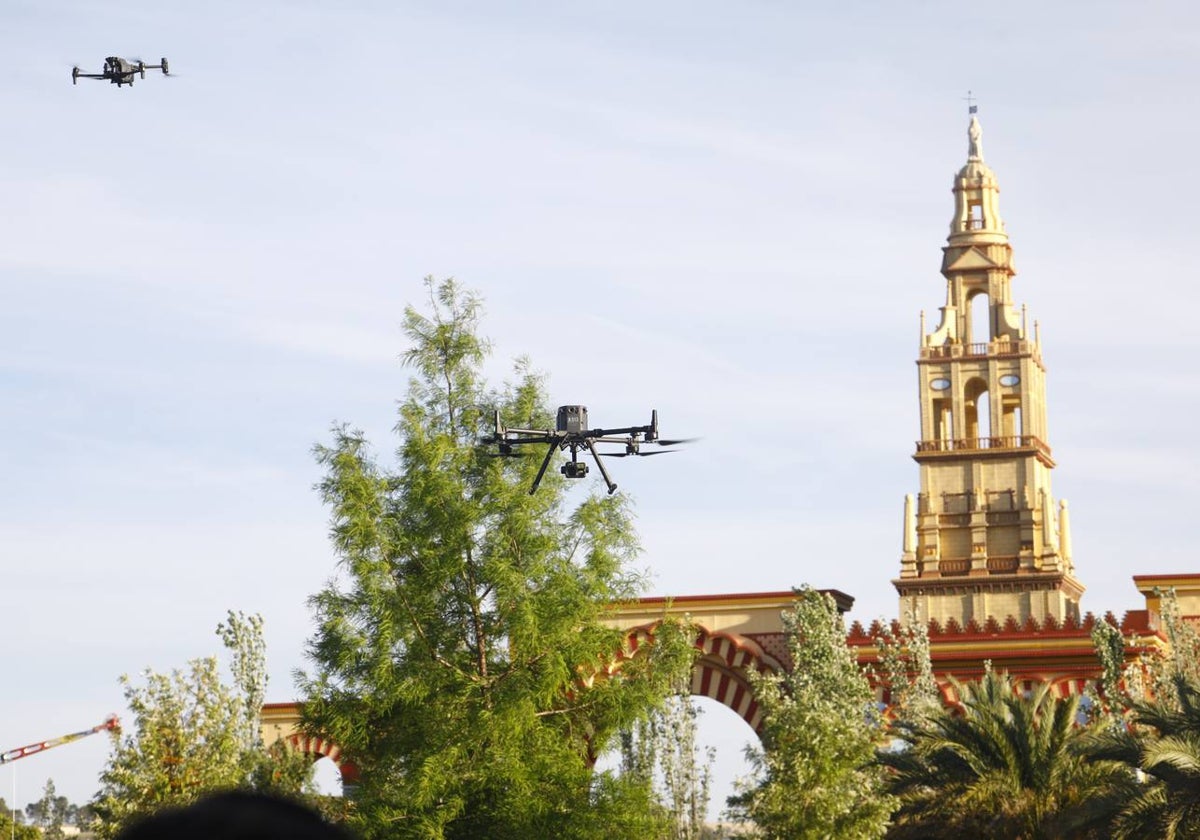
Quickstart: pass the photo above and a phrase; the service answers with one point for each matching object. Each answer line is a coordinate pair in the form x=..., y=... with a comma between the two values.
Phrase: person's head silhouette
x=235, y=816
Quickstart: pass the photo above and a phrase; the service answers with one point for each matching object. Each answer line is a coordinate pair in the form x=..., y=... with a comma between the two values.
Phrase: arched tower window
x=977, y=411
x=1012, y=418
x=979, y=328
x=975, y=215
x=943, y=420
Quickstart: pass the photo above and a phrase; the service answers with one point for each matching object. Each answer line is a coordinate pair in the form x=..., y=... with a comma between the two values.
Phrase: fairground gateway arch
x=735, y=635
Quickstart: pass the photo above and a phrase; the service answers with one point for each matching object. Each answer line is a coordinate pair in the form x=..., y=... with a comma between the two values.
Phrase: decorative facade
x=984, y=538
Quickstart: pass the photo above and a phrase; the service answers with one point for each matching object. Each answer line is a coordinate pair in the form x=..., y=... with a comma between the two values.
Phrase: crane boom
x=111, y=724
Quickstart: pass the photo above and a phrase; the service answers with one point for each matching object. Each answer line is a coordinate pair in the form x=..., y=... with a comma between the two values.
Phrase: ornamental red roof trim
x=1131, y=623
x=1178, y=576
x=728, y=600
x=784, y=595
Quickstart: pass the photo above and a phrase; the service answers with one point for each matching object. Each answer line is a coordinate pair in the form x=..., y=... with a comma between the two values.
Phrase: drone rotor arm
x=510, y=440
x=541, y=434
x=624, y=430
x=612, y=439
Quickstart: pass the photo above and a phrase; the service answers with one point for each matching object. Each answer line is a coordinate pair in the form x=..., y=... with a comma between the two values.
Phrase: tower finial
x=971, y=106
x=975, y=135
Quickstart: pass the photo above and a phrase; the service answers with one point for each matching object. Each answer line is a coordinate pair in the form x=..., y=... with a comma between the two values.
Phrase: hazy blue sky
x=730, y=212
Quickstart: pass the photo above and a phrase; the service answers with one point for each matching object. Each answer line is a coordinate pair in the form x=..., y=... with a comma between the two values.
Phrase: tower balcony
x=963, y=566
x=981, y=350
x=975, y=446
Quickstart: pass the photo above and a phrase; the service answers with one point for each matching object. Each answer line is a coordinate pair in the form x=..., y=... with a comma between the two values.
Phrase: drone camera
x=572, y=419
x=574, y=469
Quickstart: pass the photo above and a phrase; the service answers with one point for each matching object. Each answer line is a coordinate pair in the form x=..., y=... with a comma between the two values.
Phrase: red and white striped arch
x=1070, y=686
x=721, y=671
x=318, y=748
x=1060, y=687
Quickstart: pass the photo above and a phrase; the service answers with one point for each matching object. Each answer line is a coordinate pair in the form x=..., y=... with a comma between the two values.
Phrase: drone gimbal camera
x=571, y=432
x=575, y=469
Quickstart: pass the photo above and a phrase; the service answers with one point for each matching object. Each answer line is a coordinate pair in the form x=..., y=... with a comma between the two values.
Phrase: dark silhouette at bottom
x=235, y=816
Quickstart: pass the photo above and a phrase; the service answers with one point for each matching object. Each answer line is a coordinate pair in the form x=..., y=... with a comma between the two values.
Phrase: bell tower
x=983, y=538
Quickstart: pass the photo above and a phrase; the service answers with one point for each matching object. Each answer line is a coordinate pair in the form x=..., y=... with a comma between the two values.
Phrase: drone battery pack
x=572, y=418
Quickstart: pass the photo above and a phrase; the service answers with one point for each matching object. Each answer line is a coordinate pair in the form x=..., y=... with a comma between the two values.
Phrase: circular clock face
x=940, y=384
x=1010, y=379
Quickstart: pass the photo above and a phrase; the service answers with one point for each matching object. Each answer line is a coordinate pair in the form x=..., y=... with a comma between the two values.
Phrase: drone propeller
x=637, y=454
x=671, y=442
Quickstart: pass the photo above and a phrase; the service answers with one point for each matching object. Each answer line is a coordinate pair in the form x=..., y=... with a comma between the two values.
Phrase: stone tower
x=984, y=537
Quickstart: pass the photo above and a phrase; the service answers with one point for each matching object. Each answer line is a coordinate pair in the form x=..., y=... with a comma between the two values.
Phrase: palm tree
x=1003, y=766
x=1162, y=741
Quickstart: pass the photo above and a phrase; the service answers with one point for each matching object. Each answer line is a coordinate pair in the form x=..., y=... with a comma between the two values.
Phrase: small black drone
x=572, y=433
x=120, y=71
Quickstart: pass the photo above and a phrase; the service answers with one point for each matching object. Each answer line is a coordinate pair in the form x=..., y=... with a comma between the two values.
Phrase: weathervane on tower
x=972, y=108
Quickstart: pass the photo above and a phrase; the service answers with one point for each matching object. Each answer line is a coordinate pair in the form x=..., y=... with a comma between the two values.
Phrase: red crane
x=111, y=724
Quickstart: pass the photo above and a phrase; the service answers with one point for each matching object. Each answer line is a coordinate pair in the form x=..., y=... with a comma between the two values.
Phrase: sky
x=730, y=213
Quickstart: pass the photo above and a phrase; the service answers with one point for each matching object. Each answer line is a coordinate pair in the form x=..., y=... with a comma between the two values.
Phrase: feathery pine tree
x=460, y=660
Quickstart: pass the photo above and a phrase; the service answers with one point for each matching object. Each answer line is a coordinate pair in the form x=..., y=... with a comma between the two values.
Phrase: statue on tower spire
x=975, y=135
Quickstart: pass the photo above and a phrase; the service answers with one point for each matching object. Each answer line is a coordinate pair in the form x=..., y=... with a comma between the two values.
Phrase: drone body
x=119, y=71
x=571, y=432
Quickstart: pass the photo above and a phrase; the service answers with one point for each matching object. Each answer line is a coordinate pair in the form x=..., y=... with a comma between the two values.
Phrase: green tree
x=460, y=660
x=192, y=733
x=906, y=671
x=1117, y=681
x=1162, y=740
x=814, y=776
x=1154, y=729
x=662, y=751
x=49, y=813
x=11, y=825
x=1005, y=765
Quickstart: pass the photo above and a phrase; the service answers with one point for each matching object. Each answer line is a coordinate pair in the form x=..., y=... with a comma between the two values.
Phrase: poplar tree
x=459, y=658
x=663, y=751
x=190, y=733
x=50, y=812
x=814, y=776
x=12, y=827
x=1153, y=727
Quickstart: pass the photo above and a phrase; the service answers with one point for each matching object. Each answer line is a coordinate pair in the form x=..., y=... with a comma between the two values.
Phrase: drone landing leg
x=612, y=486
x=542, y=468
